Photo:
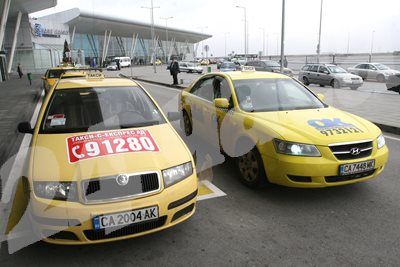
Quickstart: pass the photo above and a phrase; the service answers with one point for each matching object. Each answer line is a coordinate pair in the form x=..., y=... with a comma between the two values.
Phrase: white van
x=123, y=61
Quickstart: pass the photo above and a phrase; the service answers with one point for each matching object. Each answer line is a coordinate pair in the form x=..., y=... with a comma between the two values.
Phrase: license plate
x=125, y=218
x=346, y=169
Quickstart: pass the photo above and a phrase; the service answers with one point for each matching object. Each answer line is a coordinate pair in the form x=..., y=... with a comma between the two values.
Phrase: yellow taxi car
x=205, y=62
x=52, y=75
x=105, y=164
x=280, y=131
x=157, y=62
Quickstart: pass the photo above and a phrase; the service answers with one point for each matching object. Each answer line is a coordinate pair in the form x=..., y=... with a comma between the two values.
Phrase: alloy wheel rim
x=248, y=166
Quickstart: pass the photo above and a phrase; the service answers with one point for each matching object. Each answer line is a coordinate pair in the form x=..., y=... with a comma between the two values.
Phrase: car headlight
x=296, y=149
x=346, y=79
x=381, y=141
x=177, y=173
x=56, y=190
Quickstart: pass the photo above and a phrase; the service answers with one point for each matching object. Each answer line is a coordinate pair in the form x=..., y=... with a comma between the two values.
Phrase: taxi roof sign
x=248, y=68
x=94, y=75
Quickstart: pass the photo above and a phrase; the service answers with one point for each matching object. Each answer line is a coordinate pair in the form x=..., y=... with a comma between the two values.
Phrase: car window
x=336, y=69
x=305, y=68
x=322, y=69
x=261, y=95
x=314, y=68
x=272, y=64
x=55, y=73
x=371, y=67
x=95, y=109
x=221, y=89
x=204, y=89
x=381, y=67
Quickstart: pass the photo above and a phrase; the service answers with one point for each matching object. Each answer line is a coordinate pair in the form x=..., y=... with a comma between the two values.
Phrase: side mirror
x=321, y=97
x=326, y=72
x=174, y=116
x=25, y=127
x=221, y=103
x=43, y=78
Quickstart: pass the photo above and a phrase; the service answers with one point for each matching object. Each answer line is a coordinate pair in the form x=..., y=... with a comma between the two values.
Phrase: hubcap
x=248, y=166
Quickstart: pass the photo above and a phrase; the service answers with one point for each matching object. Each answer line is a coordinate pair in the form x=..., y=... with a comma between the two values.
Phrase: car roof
x=84, y=82
x=241, y=75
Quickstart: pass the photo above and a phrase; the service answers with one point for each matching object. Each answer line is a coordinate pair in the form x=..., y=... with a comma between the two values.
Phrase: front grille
x=64, y=235
x=302, y=179
x=127, y=230
x=107, y=189
x=343, y=151
x=342, y=178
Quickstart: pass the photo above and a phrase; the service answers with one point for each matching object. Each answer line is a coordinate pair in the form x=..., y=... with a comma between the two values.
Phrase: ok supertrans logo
x=334, y=126
x=88, y=146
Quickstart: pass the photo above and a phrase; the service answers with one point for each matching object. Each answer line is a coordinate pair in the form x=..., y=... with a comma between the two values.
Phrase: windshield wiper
x=139, y=124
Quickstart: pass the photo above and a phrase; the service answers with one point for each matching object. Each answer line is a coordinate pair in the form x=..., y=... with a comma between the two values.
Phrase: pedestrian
x=174, y=70
x=19, y=70
x=118, y=65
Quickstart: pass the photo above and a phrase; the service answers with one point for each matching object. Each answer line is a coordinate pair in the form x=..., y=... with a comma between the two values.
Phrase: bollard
x=209, y=69
x=29, y=75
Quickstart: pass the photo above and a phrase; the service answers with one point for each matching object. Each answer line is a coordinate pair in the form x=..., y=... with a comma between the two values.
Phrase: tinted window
x=314, y=68
x=305, y=68
x=55, y=73
x=322, y=69
x=204, y=89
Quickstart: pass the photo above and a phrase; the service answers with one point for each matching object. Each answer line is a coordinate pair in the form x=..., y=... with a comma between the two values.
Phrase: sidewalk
x=383, y=109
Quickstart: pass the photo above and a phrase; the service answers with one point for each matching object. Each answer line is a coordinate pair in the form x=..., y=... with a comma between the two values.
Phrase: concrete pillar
x=14, y=43
x=6, y=9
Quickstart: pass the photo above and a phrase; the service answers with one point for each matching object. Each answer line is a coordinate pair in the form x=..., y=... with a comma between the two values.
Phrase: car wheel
x=322, y=85
x=380, y=78
x=251, y=168
x=187, y=124
x=335, y=83
x=306, y=81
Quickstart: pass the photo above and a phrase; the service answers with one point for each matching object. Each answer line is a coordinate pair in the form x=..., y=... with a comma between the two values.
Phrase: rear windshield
x=97, y=109
x=55, y=73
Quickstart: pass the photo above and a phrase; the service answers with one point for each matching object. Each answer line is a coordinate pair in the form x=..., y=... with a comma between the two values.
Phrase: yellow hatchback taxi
x=281, y=132
x=51, y=76
x=105, y=164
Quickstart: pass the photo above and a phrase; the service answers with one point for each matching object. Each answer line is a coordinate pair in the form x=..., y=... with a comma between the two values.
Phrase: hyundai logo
x=355, y=151
x=122, y=179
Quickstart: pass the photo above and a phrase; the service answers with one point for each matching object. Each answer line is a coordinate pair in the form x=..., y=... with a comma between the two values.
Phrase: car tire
x=335, y=83
x=251, y=169
x=306, y=81
x=186, y=124
x=380, y=78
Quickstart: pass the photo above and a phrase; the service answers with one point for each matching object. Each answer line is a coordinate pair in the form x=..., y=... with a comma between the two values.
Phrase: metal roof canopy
x=90, y=23
x=28, y=6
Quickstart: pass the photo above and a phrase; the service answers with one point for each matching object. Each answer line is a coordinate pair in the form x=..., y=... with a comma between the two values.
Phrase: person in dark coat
x=174, y=70
x=19, y=70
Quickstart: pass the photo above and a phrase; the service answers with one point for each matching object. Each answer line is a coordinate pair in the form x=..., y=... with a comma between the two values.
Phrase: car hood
x=316, y=126
x=389, y=72
x=51, y=160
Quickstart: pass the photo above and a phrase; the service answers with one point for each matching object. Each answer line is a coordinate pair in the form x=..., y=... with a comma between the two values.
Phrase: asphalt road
x=355, y=225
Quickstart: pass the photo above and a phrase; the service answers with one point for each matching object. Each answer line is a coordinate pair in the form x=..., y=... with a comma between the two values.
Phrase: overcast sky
x=347, y=25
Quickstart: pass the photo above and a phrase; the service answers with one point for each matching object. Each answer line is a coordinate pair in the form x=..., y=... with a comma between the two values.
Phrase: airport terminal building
x=93, y=39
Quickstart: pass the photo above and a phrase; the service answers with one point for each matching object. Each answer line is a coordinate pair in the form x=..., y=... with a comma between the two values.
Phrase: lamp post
x=226, y=33
x=263, y=30
x=166, y=36
x=283, y=36
x=152, y=32
x=245, y=29
x=202, y=47
x=319, y=34
x=372, y=45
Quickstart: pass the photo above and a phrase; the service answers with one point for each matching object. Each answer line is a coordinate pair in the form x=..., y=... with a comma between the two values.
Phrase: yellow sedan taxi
x=281, y=132
x=51, y=76
x=105, y=164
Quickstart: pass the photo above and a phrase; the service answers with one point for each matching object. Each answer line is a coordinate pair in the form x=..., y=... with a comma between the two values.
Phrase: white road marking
x=161, y=86
x=216, y=191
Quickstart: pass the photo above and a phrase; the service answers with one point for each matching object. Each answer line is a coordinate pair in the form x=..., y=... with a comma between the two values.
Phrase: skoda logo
x=122, y=180
x=355, y=151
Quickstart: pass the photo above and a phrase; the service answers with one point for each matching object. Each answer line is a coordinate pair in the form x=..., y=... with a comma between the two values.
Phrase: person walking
x=174, y=70
x=19, y=70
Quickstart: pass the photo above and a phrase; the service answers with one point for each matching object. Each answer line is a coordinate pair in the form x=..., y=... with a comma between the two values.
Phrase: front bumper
x=313, y=172
x=63, y=222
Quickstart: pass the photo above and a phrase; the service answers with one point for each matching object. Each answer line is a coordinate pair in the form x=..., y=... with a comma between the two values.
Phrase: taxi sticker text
x=94, y=145
x=330, y=127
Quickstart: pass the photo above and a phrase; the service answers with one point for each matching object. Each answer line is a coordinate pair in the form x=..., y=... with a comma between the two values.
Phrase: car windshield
x=96, y=109
x=336, y=69
x=272, y=64
x=260, y=95
x=228, y=65
x=55, y=73
x=381, y=67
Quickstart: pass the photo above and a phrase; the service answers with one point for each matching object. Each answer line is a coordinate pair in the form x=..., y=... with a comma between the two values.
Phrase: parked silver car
x=190, y=67
x=329, y=74
x=376, y=71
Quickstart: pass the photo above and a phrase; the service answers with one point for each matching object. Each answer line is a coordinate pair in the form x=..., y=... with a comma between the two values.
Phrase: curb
x=388, y=128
